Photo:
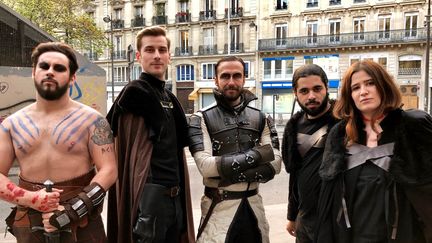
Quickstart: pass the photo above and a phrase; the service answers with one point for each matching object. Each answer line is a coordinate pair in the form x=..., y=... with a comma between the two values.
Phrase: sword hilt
x=48, y=185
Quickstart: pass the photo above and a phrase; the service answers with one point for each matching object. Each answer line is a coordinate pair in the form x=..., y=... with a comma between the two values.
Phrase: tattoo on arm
x=102, y=133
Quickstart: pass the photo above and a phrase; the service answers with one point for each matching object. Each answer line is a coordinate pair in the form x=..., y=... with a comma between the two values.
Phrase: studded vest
x=232, y=132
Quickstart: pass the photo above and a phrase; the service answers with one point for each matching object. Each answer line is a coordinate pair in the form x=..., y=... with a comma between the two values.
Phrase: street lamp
x=108, y=19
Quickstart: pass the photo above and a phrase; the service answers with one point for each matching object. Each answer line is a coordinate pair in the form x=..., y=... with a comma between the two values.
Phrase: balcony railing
x=207, y=49
x=159, y=20
x=234, y=48
x=119, y=55
x=92, y=56
x=409, y=71
x=207, y=15
x=138, y=22
x=183, y=17
x=234, y=12
x=118, y=24
x=359, y=1
x=345, y=39
x=183, y=51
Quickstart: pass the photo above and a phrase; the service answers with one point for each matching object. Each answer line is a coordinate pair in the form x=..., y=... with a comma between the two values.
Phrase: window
x=118, y=52
x=234, y=4
x=334, y=2
x=136, y=72
x=183, y=6
x=139, y=11
x=384, y=26
x=312, y=31
x=208, y=71
x=281, y=34
x=410, y=65
x=359, y=29
x=117, y=13
x=312, y=3
x=235, y=30
x=411, y=24
x=208, y=5
x=288, y=67
x=267, y=69
x=185, y=73
x=383, y=62
x=160, y=9
x=120, y=74
x=281, y=4
x=247, y=69
x=334, y=30
x=278, y=69
x=184, y=41
x=208, y=34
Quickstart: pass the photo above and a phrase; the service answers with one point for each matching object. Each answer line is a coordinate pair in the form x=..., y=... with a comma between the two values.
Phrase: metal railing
x=207, y=15
x=234, y=12
x=118, y=24
x=183, y=51
x=92, y=56
x=183, y=17
x=119, y=55
x=234, y=48
x=138, y=22
x=409, y=71
x=207, y=49
x=159, y=20
x=345, y=39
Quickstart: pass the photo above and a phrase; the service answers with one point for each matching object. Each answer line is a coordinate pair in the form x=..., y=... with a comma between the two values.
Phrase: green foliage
x=66, y=20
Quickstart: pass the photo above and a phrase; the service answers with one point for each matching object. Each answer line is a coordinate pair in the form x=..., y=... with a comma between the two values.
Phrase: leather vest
x=232, y=133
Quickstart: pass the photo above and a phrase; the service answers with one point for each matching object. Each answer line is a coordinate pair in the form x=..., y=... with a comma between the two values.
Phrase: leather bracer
x=86, y=202
x=195, y=134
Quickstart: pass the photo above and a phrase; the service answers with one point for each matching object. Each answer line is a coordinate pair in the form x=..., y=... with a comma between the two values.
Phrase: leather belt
x=217, y=196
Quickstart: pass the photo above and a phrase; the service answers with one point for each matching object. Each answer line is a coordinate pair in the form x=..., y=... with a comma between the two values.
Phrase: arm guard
x=273, y=132
x=85, y=203
x=195, y=134
x=261, y=173
x=231, y=165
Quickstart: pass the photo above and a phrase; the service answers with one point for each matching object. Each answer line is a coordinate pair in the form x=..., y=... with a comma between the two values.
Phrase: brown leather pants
x=26, y=224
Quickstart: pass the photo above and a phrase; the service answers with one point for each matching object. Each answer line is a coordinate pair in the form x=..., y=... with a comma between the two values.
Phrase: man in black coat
x=303, y=146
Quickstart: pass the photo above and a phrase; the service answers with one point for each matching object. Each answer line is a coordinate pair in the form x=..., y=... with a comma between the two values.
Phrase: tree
x=66, y=20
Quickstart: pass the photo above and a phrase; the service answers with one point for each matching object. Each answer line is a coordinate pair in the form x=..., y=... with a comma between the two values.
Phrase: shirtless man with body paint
x=64, y=141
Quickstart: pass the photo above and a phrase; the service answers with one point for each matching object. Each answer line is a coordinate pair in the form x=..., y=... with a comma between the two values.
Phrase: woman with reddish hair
x=377, y=165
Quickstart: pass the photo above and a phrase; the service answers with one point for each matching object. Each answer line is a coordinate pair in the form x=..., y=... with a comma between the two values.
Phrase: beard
x=48, y=93
x=318, y=110
x=231, y=97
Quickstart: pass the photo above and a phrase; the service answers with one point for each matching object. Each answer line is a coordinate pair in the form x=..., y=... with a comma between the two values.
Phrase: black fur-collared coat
x=410, y=168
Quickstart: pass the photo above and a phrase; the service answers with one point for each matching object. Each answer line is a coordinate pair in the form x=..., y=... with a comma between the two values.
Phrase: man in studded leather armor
x=235, y=148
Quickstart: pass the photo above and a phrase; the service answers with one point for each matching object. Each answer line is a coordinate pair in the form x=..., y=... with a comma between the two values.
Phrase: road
x=274, y=194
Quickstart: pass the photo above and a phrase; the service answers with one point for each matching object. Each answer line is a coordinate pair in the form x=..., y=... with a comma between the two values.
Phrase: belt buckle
x=222, y=194
x=174, y=191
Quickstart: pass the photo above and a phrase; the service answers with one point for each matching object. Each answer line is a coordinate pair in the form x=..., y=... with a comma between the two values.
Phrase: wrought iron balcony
x=312, y=4
x=183, y=17
x=234, y=12
x=234, y=48
x=92, y=56
x=138, y=21
x=207, y=49
x=159, y=20
x=183, y=51
x=119, y=55
x=118, y=24
x=359, y=1
x=410, y=71
x=344, y=40
x=207, y=15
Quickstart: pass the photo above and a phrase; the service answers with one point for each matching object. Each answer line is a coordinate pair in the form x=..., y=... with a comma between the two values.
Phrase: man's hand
x=44, y=201
x=291, y=228
x=45, y=220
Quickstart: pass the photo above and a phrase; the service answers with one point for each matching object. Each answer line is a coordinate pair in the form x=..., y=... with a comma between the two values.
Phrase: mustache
x=49, y=80
x=312, y=102
x=231, y=88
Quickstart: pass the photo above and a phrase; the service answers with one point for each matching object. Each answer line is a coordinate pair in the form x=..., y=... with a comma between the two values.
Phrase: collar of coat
x=290, y=154
x=411, y=163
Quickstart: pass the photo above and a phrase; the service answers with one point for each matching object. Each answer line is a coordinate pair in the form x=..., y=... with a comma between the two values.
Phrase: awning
x=194, y=94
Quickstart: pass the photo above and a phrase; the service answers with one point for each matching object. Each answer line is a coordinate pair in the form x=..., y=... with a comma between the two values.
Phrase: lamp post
x=108, y=19
x=426, y=100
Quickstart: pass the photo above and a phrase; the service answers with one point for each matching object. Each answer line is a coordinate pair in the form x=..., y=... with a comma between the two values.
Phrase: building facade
x=274, y=38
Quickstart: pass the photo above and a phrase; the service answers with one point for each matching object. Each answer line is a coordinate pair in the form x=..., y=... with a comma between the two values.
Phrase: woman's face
x=364, y=93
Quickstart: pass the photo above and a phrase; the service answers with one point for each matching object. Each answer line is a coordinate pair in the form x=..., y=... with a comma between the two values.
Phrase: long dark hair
x=388, y=91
